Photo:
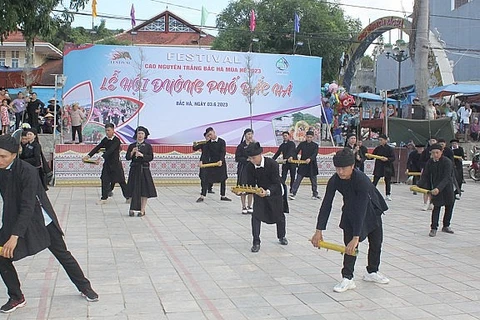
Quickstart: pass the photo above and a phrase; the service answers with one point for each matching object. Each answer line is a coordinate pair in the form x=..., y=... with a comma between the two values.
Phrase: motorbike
x=474, y=168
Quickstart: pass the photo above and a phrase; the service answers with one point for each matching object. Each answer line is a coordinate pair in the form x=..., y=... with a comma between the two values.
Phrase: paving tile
x=185, y=260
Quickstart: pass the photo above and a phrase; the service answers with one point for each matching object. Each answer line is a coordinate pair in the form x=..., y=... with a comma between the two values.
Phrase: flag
x=94, y=8
x=204, y=17
x=253, y=22
x=296, y=23
x=132, y=16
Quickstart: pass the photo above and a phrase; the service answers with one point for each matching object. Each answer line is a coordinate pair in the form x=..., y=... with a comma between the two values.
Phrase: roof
x=15, y=40
x=158, y=31
x=50, y=67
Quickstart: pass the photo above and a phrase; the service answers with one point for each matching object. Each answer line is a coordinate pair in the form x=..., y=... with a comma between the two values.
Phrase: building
x=167, y=29
x=47, y=59
x=456, y=24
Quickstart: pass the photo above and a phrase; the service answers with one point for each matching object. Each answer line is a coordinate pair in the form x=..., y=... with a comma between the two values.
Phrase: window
x=176, y=26
x=3, y=54
x=157, y=25
x=15, y=57
x=458, y=3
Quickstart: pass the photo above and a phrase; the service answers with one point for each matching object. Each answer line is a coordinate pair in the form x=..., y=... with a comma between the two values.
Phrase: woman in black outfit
x=32, y=153
x=140, y=184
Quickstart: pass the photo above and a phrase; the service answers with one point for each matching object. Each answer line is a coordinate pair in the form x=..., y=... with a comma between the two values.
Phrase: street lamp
x=397, y=52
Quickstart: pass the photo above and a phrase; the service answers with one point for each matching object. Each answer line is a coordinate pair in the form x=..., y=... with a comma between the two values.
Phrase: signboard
x=177, y=93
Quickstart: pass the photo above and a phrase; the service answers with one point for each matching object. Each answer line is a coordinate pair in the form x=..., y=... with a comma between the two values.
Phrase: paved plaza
x=186, y=260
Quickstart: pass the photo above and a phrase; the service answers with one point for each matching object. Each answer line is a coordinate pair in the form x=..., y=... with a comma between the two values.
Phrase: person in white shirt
x=464, y=114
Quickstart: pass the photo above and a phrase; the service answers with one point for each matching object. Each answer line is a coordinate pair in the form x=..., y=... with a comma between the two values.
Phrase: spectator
x=475, y=129
x=327, y=118
x=464, y=114
x=77, y=116
x=18, y=107
x=34, y=106
x=5, y=117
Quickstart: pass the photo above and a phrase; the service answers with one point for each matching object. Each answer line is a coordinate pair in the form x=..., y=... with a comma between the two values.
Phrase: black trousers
x=256, y=224
x=388, y=183
x=108, y=186
x=375, y=239
x=18, y=119
x=208, y=186
x=298, y=181
x=59, y=249
x=447, y=216
x=77, y=129
x=288, y=167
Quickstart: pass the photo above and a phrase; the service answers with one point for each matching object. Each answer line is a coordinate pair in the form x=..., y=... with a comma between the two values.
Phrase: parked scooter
x=474, y=168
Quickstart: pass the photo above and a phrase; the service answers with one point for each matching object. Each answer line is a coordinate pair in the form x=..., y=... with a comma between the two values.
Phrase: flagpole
x=294, y=33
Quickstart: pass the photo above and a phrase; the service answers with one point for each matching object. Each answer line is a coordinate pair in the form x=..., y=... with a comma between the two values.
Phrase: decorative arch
x=376, y=29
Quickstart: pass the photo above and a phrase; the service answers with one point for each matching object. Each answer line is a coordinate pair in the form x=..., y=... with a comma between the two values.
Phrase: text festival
x=196, y=86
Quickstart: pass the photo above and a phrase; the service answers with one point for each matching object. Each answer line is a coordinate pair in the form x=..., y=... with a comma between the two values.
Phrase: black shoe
x=110, y=194
x=200, y=199
x=255, y=248
x=447, y=230
x=211, y=191
x=12, y=305
x=90, y=295
x=225, y=198
x=131, y=213
x=283, y=241
x=432, y=233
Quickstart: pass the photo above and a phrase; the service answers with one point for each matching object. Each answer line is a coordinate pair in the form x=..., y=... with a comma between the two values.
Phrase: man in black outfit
x=309, y=150
x=447, y=152
x=214, y=151
x=269, y=205
x=414, y=162
x=438, y=178
x=29, y=225
x=201, y=173
x=362, y=211
x=287, y=150
x=34, y=108
x=359, y=151
x=459, y=156
x=112, y=171
x=384, y=167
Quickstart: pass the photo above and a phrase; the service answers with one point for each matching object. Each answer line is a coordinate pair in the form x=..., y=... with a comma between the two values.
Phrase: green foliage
x=367, y=62
x=324, y=29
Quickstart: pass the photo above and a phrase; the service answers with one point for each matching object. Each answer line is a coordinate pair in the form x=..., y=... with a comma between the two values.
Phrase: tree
x=367, y=62
x=34, y=18
x=324, y=29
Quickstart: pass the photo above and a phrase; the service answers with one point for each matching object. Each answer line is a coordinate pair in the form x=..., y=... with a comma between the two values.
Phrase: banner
x=178, y=92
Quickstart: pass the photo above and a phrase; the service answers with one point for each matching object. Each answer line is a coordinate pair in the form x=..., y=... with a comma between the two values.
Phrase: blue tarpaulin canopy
x=372, y=97
x=454, y=88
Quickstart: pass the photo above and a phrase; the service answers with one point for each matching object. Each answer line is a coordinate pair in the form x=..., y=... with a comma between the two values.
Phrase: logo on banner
x=119, y=57
x=282, y=66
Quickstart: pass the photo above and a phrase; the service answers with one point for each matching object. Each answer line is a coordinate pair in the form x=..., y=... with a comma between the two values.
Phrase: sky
x=190, y=10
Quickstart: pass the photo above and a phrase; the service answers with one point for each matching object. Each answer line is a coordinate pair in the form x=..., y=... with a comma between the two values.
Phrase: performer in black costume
x=112, y=171
x=287, y=150
x=309, y=150
x=242, y=161
x=140, y=182
x=269, y=205
x=214, y=151
x=29, y=225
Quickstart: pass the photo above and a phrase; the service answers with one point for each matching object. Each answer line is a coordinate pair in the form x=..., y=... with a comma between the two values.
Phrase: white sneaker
x=430, y=206
x=249, y=210
x=345, y=285
x=291, y=197
x=388, y=198
x=244, y=210
x=426, y=207
x=100, y=202
x=315, y=197
x=376, y=277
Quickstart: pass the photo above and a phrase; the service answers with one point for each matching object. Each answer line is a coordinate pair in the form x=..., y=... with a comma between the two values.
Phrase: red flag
x=253, y=23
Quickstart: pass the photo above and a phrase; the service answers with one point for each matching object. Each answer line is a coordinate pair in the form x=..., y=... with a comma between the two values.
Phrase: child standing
x=5, y=116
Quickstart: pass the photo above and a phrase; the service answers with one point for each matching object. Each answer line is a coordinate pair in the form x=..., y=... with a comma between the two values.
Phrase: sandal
x=131, y=213
x=140, y=214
